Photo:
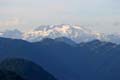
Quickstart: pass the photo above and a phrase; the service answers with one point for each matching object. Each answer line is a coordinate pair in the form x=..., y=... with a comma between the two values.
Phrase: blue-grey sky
x=100, y=15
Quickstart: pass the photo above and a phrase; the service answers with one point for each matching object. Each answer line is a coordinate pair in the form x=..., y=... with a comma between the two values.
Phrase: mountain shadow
x=95, y=60
x=25, y=68
x=9, y=75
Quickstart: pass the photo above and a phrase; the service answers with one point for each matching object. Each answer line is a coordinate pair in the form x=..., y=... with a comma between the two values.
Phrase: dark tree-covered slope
x=9, y=75
x=95, y=60
x=25, y=68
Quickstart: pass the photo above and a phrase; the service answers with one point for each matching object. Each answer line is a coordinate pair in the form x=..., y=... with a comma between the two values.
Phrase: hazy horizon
x=100, y=15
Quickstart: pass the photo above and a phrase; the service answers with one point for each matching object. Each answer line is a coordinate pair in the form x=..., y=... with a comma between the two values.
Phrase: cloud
x=10, y=22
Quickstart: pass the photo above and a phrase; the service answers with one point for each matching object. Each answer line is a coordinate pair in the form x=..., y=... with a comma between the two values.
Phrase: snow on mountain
x=115, y=38
x=74, y=32
x=15, y=34
x=1, y=33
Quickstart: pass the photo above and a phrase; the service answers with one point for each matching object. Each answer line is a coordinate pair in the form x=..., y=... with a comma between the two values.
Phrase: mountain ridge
x=74, y=32
x=93, y=60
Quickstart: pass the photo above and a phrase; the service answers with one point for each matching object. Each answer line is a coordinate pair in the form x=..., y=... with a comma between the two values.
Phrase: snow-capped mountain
x=74, y=32
x=115, y=38
x=15, y=34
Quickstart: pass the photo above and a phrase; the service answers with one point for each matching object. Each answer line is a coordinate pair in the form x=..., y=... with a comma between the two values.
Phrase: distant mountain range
x=74, y=32
x=94, y=60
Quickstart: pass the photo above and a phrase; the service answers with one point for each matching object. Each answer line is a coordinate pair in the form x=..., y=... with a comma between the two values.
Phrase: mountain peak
x=15, y=34
x=73, y=32
x=76, y=33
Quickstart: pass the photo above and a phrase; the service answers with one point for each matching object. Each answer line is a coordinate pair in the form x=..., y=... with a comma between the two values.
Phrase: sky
x=99, y=15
